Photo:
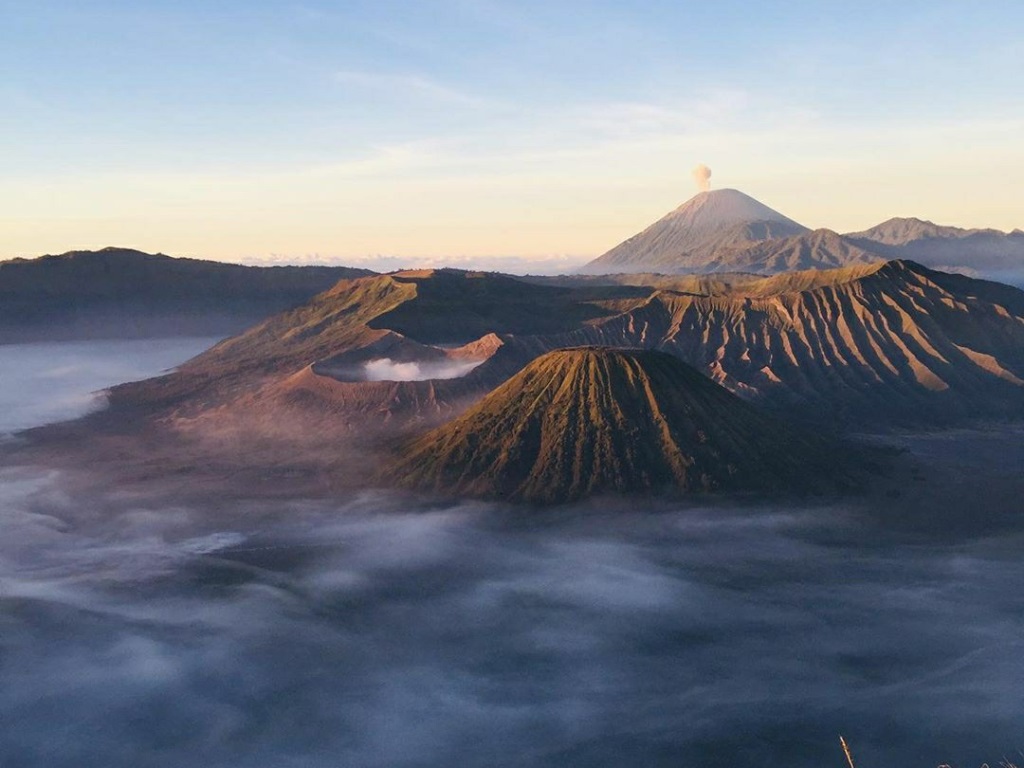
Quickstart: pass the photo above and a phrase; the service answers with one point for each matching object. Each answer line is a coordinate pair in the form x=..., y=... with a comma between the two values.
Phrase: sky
x=468, y=130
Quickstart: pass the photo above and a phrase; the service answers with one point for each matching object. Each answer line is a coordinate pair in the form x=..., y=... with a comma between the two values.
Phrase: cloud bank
x=381, y=632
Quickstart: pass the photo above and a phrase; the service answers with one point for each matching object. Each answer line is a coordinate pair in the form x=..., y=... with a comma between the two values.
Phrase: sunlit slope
x=887, y=340
x=820, y=249
x=589, y=420
x=689, y=238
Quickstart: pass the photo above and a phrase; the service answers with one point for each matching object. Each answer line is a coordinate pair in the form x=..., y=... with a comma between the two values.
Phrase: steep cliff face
x=592, y=420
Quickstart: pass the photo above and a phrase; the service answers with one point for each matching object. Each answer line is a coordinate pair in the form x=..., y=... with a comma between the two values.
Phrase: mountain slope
x=687, y=239
x=581, y=421
x=982, y=251
x=900, y=231
x=877, y=342
x=120, y=292
x=872, y=344
x=820, y=249
x=410, y=316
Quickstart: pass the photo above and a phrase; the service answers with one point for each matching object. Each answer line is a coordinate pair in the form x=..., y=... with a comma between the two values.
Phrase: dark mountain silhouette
x=589, y=420
x=119, y=292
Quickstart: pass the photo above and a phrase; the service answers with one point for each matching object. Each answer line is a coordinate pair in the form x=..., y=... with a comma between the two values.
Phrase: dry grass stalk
x=846, y=750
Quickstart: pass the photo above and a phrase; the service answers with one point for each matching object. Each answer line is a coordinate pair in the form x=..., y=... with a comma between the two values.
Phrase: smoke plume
x=386, y=369
x=702, y=175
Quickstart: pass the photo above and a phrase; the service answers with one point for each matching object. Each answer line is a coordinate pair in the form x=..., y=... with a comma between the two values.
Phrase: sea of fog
x=139, y=630
x=43, y=383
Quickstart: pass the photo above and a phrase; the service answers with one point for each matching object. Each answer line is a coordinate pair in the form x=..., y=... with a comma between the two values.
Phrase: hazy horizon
x=481, y=128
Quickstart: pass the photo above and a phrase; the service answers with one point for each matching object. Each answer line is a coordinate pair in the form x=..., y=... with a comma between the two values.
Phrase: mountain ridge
x=122, y=292
x=886, y=342
x=900, y=230
x=988, y=252
x=817, y=249
x=729, y=231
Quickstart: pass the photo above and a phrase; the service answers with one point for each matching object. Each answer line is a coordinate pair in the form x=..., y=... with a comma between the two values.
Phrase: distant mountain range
x=122, y=293
x=728, y=231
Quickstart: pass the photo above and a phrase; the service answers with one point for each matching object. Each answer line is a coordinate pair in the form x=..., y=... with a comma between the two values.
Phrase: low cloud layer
x=382, y=630
x=41, y=383
x=386, y=369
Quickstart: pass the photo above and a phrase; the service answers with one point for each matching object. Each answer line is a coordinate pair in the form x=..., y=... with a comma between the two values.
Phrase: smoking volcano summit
x=689, y=238
x=728, y=231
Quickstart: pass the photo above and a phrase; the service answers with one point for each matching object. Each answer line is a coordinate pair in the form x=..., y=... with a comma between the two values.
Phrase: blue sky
x=486, y=127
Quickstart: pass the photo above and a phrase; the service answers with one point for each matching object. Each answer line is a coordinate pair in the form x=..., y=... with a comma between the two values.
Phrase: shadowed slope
x=119, y=292
x=582, y=421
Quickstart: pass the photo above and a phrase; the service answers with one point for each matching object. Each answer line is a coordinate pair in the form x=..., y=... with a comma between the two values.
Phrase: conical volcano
x=689, y=238
x=590, y=420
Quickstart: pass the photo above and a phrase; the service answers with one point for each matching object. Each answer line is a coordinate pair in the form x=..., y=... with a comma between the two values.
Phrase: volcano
x=577, y=422
x=689, y=238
